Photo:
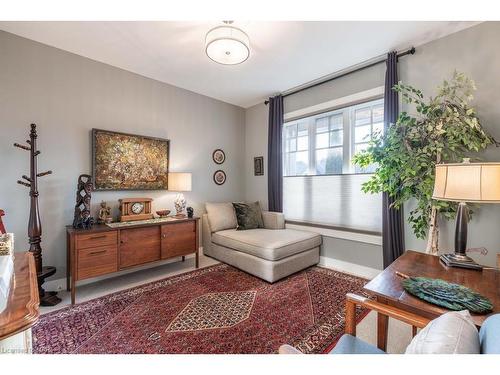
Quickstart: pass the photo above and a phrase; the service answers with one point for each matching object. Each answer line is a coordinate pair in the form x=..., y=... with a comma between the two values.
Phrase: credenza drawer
x=97, y=261
x=84, y=241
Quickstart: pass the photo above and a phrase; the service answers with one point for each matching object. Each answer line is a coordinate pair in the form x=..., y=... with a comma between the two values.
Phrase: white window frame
x=330, y=108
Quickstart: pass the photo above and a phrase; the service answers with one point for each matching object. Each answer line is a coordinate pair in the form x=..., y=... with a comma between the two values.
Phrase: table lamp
x=465, y=182
x=179, y=182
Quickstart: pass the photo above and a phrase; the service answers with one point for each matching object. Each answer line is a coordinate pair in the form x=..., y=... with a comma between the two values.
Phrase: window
x=321, y=185
x=324, y=144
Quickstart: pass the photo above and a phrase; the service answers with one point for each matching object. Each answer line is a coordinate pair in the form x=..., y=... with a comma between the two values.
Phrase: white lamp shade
x=468, y=182
x=179, y=181
x=227, y=45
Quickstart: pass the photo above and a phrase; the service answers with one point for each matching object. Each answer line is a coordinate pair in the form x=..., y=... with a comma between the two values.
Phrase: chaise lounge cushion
x=267, y=244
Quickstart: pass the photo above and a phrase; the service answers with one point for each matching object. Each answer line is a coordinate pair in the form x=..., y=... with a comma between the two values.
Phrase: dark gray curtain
x=274, y=155
x=393, y=243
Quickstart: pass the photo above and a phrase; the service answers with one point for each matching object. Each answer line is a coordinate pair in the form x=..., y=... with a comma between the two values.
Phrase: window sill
x=372, y=239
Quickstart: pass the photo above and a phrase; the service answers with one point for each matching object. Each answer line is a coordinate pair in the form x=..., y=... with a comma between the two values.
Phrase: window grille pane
x=301, y=164
x=336, y=121
x=362, y=133
x=362, y=116
x=322, y=125
x=322, y=140
x=302, y=143
x=378, y=128
x=303, y=129
x=329, y=161
x=291, y=131
x=336, y=138
x=378, y=113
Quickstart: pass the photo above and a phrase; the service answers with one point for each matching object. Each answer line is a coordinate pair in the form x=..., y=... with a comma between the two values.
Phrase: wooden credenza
x=103, y=250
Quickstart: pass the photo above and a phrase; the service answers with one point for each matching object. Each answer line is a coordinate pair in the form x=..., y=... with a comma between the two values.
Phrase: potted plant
x=445, y=128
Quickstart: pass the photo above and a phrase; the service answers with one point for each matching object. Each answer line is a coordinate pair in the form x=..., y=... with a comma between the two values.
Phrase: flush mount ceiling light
x=227, y=44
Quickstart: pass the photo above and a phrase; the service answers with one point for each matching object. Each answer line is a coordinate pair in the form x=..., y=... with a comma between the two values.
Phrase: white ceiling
x=283, y=54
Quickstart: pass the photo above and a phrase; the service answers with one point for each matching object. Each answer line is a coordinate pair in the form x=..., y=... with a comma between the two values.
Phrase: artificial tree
x=445, y=128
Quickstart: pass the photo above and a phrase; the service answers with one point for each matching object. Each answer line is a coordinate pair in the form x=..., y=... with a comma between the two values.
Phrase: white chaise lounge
x=270, y=253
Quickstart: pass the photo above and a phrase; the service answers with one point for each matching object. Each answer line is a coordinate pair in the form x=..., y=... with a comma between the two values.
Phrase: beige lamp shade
x=179, y=181
x=468, y=182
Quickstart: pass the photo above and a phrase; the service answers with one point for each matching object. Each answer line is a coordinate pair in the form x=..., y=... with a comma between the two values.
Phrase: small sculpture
x=104, y=213
x=82, y=218
x=190, y=212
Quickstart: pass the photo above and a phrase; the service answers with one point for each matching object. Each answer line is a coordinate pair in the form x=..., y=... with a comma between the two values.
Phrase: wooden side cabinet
x=103, y=250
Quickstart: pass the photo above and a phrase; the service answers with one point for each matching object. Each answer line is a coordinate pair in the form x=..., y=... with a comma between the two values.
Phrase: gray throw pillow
x=248, y=216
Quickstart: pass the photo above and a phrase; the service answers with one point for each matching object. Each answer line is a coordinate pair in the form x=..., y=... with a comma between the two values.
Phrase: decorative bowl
x=163, y=213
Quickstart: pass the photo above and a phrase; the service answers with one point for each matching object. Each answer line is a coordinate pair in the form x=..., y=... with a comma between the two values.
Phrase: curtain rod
x=344, y=72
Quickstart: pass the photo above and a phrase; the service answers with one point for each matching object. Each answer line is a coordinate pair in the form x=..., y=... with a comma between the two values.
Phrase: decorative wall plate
x=219, y=177
x=219, y=156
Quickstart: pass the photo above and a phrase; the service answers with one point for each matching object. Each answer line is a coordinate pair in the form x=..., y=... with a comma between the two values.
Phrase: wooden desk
x=22, y=306
x=387, y=288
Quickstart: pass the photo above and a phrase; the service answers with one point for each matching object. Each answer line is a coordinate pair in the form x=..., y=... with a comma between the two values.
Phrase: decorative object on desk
x=34, y=222
x=2, y=228
x=81, y=217
x=451, y=296
x=219, y=156
x=258, y=166
x=179, y=182
x=219, y=177
x=465, y=182
x=123, y=161
x=446, y=127
x=190, y=212
x=163, y=213
x=132, y=209
x=104, y=213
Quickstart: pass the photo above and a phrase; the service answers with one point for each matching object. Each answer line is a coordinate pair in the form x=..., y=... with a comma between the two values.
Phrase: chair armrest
x=273, y=220
x=353, y=300
x=288, y=349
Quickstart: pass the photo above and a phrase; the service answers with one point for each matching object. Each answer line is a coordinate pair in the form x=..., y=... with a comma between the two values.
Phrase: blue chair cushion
x=489, y=335
x=352, y=345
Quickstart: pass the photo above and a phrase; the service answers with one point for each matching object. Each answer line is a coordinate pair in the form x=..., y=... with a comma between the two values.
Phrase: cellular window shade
x=334, y=200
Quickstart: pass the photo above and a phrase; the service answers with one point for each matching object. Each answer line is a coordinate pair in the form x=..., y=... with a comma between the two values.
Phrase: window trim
x=339, y=103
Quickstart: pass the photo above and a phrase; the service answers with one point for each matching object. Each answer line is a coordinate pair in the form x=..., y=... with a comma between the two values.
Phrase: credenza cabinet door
x=139, y=246
x=178, y=239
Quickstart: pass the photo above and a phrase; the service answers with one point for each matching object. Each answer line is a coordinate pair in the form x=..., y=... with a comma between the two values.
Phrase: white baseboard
x=349, y=268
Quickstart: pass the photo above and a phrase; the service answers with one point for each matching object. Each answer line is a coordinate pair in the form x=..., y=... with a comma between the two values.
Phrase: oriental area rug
x=217, y=309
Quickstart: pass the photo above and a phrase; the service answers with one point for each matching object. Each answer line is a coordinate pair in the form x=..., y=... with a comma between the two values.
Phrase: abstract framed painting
x=122, y=161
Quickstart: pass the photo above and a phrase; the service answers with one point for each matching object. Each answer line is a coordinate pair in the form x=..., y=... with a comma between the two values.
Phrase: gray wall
x=256, y=119
x=67, y=95
x=473, y=51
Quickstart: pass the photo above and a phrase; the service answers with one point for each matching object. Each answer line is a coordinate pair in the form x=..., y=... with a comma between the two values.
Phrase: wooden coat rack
x=34, y=223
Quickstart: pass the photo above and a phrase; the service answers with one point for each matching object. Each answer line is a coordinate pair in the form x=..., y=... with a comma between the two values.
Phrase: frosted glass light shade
x=227, y=45
x=468, y=182
x=179, y=181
